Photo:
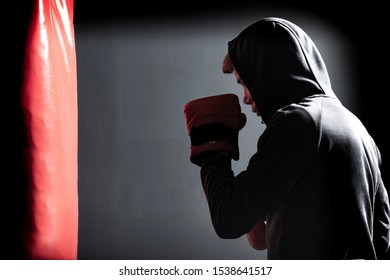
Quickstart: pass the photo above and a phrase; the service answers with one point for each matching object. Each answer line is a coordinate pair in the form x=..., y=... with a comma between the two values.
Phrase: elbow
x=223, y=234
x=227, y=231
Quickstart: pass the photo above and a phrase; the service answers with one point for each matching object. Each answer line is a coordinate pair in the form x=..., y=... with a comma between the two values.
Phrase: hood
x=279, y=64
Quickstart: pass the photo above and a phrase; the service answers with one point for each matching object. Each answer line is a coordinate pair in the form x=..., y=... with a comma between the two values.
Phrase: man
x=313, y=189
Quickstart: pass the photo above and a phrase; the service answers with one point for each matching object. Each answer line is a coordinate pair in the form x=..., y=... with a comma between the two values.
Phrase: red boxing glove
x=213, y=124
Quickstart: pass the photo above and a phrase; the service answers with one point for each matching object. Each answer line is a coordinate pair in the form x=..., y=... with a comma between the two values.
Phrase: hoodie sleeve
x=284, y=150
x=231, y=210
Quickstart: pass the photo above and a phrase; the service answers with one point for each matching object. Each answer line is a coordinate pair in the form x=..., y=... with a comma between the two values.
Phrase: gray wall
x=139, y=195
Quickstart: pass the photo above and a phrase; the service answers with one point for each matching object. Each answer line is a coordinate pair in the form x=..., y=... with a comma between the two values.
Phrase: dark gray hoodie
x=315, y=177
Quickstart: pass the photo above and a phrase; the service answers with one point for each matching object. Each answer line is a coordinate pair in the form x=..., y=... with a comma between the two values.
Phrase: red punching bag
x=49, y=105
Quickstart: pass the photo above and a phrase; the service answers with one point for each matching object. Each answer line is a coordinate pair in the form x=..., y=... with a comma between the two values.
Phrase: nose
x=247, y=99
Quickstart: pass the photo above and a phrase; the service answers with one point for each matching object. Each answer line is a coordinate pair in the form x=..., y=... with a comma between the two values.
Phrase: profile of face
x=247, y=99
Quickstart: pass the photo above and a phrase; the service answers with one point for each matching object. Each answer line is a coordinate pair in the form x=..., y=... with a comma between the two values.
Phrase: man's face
x=247, y=99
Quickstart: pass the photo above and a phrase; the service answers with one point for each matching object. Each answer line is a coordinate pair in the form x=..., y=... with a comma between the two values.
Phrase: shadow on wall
x=139, y=195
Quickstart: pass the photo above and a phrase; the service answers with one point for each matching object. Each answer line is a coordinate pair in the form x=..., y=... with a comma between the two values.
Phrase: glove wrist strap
x=213, y=132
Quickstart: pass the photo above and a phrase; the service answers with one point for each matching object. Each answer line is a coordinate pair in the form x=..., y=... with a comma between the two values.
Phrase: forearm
x=232, y=213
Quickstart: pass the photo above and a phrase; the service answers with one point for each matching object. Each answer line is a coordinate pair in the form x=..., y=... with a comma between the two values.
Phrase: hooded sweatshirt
x=315, y=177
